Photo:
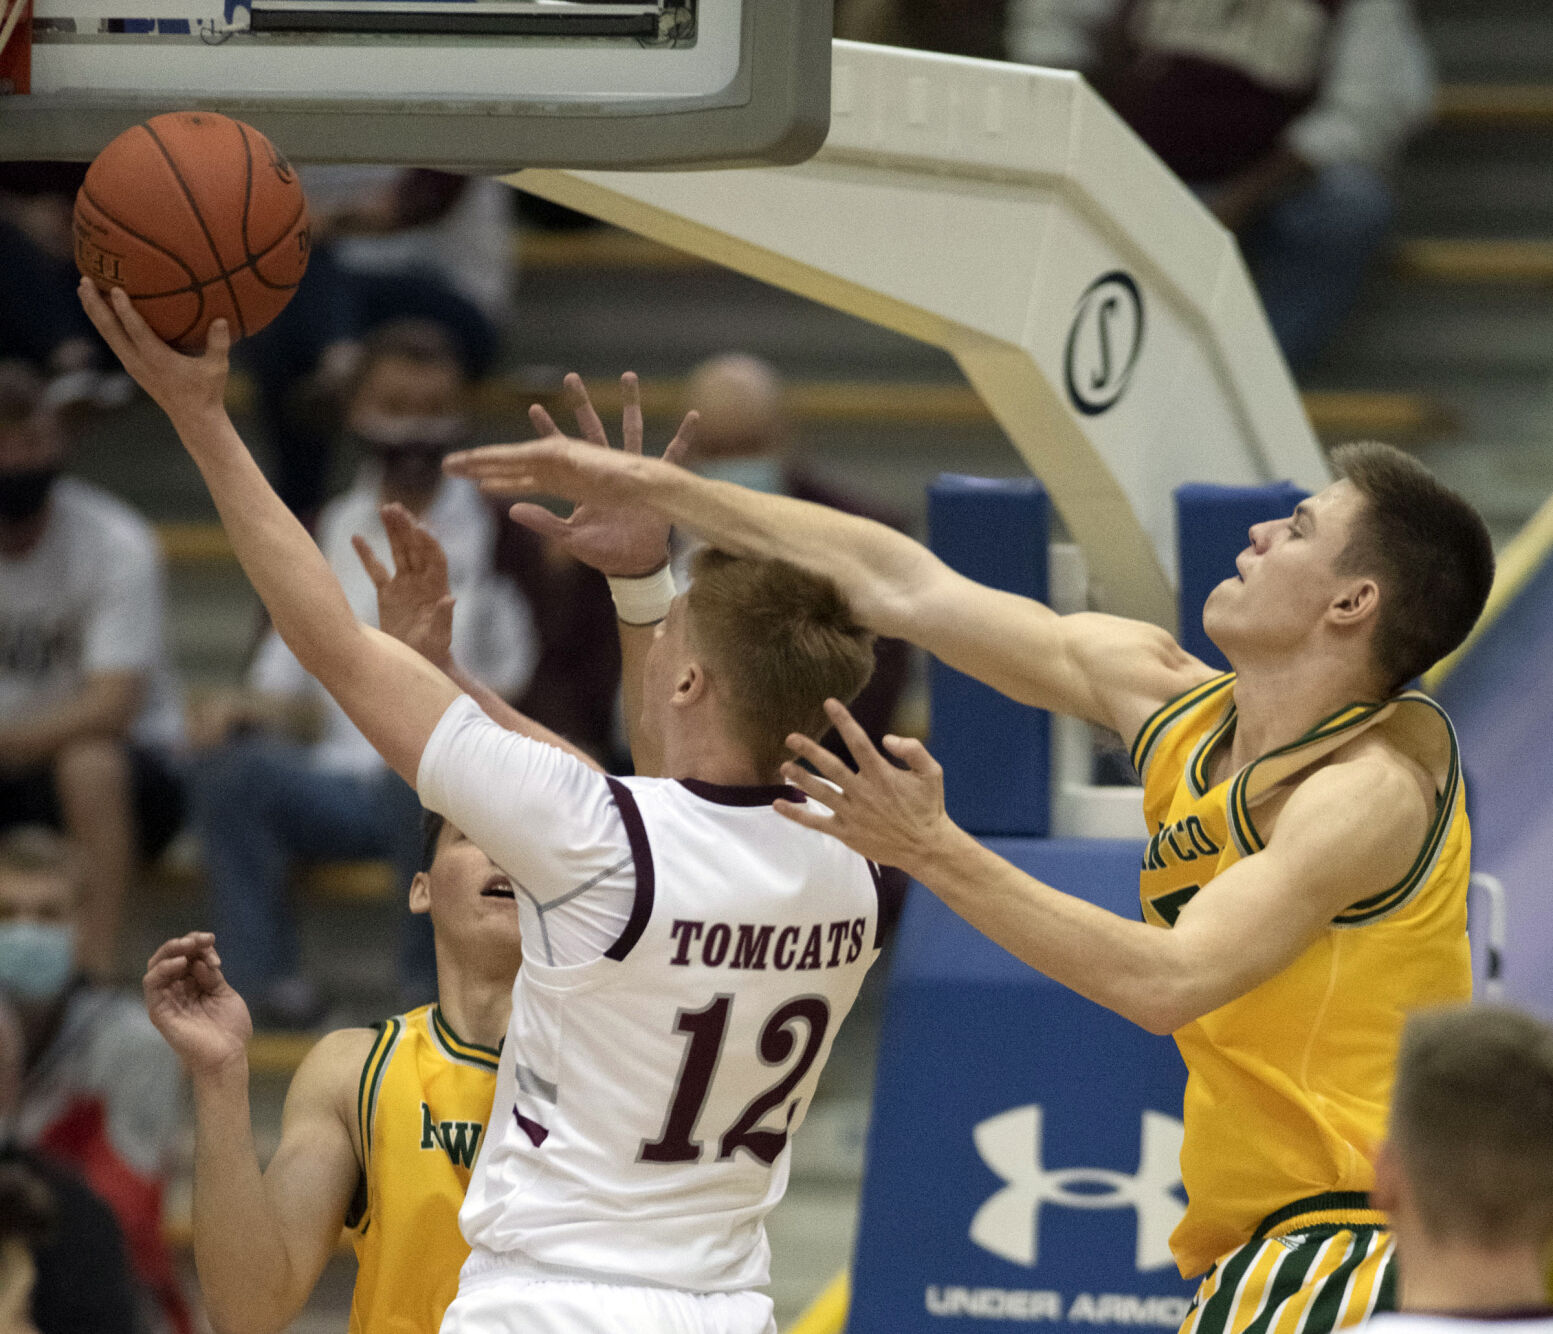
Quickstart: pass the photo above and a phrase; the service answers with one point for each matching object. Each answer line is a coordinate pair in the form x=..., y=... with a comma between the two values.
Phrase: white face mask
x=754, y=473
x=36, y=960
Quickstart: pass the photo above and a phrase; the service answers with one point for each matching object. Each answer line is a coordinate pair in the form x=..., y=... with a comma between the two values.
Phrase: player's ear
x=420, y=893
x=691, y=686
x=1358, y=602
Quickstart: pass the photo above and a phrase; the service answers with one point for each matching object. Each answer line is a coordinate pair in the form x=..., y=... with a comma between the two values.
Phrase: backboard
x=487, y=85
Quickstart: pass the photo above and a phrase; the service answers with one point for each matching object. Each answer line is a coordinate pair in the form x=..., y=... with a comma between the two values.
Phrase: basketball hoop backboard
x=475, y=84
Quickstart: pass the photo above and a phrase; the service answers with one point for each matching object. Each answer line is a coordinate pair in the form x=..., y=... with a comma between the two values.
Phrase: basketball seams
x=170, y=145
x=199, y=217
x=196, y=288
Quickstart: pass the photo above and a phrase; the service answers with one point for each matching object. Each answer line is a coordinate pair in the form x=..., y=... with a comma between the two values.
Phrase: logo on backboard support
x=1104, y=342
x=1008, y=1224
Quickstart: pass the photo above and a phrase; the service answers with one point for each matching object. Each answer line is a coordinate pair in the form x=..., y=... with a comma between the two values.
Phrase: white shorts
x=502, y=1302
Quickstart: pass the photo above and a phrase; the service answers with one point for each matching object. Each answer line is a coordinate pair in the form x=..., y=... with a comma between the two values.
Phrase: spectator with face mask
x=744, y=437
x=91, y=1103
x=89, y=714
x=263, y=799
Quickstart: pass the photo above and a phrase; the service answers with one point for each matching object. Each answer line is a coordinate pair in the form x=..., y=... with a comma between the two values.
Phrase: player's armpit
x=1347, y=832
x=1105, y=669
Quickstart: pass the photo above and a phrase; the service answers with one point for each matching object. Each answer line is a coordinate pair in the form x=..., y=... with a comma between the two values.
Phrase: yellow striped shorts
x=1322, y=1278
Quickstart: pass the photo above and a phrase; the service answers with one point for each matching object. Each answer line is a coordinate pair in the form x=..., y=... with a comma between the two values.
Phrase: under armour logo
x=1009, y=1223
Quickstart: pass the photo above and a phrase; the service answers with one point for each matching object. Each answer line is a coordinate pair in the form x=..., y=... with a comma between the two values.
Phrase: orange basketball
x=197, y=217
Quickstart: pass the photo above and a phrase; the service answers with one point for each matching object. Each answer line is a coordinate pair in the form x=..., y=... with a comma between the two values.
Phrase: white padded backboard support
x=1005, y=214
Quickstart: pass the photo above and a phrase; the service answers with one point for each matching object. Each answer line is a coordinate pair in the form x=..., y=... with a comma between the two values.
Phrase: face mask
x=36, y=959
x=388, y=435
x=754, y=473
x=25, y=492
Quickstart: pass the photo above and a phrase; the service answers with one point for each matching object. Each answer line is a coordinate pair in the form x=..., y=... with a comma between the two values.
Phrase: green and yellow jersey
x=1288, y=1085
x=423, y=1106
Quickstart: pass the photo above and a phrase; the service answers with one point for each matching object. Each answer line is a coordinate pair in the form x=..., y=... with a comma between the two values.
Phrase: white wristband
x=645, y=600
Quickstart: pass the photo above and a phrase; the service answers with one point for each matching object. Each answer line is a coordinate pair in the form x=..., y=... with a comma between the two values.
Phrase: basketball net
x=15, y=46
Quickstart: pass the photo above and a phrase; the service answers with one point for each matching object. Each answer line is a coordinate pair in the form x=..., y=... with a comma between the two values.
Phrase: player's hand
x=194, y=1007
x=890, y=815
x=608, y=528
x=182, y=386
x=414, y=603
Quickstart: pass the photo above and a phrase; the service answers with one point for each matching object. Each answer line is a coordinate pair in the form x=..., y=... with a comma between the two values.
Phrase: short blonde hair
x=780, y=642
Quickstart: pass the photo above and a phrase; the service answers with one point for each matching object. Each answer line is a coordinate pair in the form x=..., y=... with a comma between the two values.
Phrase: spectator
x=262, y=799
x=100, y=1095
x=41, y=320
x=743, y=436
x=1466, y=1177
x=388, y=244
x=89, y=714
x=1284, y=116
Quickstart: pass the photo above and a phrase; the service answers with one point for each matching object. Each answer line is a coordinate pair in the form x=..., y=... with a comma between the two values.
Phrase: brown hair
x=35, y=849
x=1428, y=549
x=422, y=342
x=1472, y=1121
x=780, y=642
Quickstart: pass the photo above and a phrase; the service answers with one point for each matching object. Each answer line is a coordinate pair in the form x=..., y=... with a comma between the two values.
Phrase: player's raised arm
x=1348, y=831
x=261, y=1237
x=391, y=693
x=1111, y=671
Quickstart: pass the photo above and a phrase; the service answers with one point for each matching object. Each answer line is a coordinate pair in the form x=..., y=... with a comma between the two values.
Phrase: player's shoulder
x=331, y=1074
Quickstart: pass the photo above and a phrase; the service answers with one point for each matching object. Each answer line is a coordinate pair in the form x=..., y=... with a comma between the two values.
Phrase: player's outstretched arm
x=261, y=1238
x=392, y=694
x=1347, y=832
x=1111, y=671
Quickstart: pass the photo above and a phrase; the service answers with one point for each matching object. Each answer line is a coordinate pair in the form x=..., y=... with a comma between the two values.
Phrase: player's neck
x=1276, y=704
x=475, y=1006
x=711, y=757
x=1454, y=1279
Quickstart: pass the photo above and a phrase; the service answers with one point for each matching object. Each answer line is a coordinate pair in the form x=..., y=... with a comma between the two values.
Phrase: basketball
x=197, y=217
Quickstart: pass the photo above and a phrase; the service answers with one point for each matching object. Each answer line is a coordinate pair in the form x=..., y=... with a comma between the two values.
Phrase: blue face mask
x=756, y=472
x=36, y=959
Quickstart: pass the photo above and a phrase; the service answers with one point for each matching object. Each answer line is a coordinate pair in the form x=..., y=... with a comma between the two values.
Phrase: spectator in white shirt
x=1466, y=1177
x=261, y=799
x=1284, y=115
x=89, y=713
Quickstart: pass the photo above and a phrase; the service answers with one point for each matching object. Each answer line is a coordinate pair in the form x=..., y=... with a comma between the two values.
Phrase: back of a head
x=1472, y=1123
x=779, y=642
x=1428, y=549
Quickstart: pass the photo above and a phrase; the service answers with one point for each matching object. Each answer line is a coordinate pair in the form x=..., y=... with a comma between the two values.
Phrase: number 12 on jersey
x=706, y=1029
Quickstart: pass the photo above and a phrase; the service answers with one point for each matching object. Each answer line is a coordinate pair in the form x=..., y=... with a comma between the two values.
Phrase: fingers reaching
x=376, y=570
x=631, y=412
x=914, y=755
x=538, y=519
x=542, y=422
x=589, y=424
x=858, y=745
x=679, y=446
x=828, y=765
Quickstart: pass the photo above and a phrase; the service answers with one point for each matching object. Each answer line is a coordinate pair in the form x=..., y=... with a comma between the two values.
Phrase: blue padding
x=1211, y=526
x=970, y=1035
x=995, y=753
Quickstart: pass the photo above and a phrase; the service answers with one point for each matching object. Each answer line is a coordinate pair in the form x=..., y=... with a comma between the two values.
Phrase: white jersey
x=1424, y=1322
x=87, y=600
x=646, y=1098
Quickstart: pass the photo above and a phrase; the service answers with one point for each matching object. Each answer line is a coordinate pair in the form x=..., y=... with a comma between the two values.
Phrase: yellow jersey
x=423, y=1106
x=1288, y=1085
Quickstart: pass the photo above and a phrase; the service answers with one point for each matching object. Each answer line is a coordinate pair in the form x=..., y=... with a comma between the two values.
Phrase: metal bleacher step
x=357, y=881
x=1521, y=262
x=1503, y=106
